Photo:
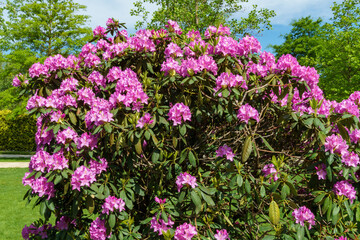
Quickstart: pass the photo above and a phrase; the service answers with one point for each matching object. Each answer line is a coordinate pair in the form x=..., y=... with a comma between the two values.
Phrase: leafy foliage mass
x=10, y=139
x=175, y=135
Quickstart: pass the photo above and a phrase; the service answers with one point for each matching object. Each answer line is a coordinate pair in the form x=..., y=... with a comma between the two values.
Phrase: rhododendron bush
x=174, y=135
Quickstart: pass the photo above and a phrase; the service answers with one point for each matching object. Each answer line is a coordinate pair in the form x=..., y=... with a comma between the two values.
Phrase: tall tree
x=304, y=41
x=34, y=29
x=333, y=48
x=199, y=14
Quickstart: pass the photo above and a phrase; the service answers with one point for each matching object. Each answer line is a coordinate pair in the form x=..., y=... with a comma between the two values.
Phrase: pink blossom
x=247, y=45
x=269, y=169
x=66, y=136
x=207, y=62
x=26, y=232
x=173, y=50
x=16, y=81
x=193, y=35
x=97, y=230
x=99, y=31
x=37, y=69
x=321, y=171
x=189, y=67
x=229, y=80
x=174, y=27
x=98, y=167
x=82, y=176
x=335, y=144
x=160, y=225
x=170, y=66
x=87, y=140
x=146, y=119
x=355, y=136
x=185, y=178
x=341, y=238
x=225, y=151
x=350, y=159
x=179, y=112
x=160, y=201
x=246, y=112
x=344, y=188
x=221, y=235
x=69, y=85
x=302, y=215
x=112, y=203
x=186, y=231
x=96, y=78
x=39, y=185
x=63, y=223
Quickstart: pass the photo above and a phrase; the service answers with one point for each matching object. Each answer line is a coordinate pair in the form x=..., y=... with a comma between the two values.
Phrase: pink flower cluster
x=185, y=179
x=33, y=231
x=246, y=112
x=186, y=231
x=269, y=169
x=225, y=151
x=97, y=230
x=222, y=235
x=321, y=171
x=84, y=176
x=160, y=225
x=229, y=80
x=179, y=112
x=344, y=188
x=40, y=185
x=146, y=119
x=336, y=144
x=302, y=215
x=112, y=203
x=43, y=162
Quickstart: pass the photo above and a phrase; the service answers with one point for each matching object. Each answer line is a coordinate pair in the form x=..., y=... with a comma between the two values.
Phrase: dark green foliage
x=17, y=133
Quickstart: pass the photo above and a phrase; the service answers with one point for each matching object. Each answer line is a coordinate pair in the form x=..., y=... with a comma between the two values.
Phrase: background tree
x=199, y=14
x=31, y=31
x=333, y=48
x=303, y=41
x=35, y=29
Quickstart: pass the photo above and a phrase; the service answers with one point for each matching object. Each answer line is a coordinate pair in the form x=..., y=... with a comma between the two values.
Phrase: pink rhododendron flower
x=229, y=80
x=344, y=188
x=189, y=67
x=335, y=144
x=173, y=27
x=185, y=178
x=221, y=235
x=321, y=171
x=112, y=203
x=186, y=231
x=302, y=215
x=63, y=223
x=173, y=50
x=39, y=185
x=355, y=136
x=82, y=176
x=99, y=31
x=170, y=66
x=246, y=112
x=247, y=45
x=341, y=238
x=225, y=151
x=146, y=119
x=160, y=225
x=98, y=166
x=97, y=230
x=160, y=201
x=16, y=82
x=350, y=159
x=87, y=140
x=179, y=112
x=66, y=136
x=269, y=169
x=207, y=62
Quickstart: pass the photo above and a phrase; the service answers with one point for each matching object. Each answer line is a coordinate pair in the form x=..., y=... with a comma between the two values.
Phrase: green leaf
x=108, y=127
x=285, y=191
x=112, y=220
x=247, y=187
x=274, y=213
x=192, y=158
x=147, y=135
x=300, y=233
x=73, y=118
x=225, y=93
x=196, y=200
x=349, y=211
x=207, y=199
x=239, y=180
x=182, y=129
x=247, y=149
x=267, y=144
x=150, y=68
x=155, y=156
x=262, y=191
x=319, y=198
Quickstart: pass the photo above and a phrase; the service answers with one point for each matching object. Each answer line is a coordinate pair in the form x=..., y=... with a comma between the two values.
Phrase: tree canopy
x=33, y=29
x=199, y=14
x=332, y=47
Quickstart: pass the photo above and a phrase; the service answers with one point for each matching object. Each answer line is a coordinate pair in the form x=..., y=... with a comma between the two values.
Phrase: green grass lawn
x=14, y=159
x=13, y=212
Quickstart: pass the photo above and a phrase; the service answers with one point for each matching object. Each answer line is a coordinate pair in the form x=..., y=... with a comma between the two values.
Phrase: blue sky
x=286, y=12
